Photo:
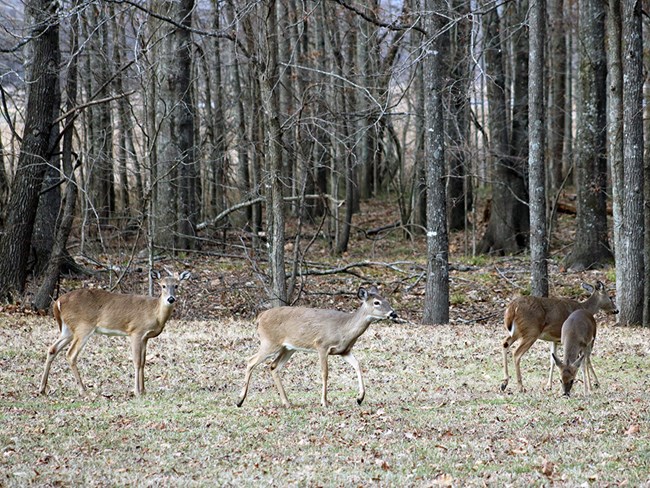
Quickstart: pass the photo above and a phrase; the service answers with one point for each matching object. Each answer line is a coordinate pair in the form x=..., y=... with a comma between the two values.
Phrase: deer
x=578, y=336
x=531, y=318
x=85, y=311
x=285, y=330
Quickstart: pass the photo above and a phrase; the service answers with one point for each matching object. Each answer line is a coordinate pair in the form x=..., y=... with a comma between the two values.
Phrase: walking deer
x=530, y=318
x=578, y=336
x=81, y=313
x=285, y=330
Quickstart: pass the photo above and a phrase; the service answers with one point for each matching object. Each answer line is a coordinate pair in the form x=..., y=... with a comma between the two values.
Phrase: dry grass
x=433, y=414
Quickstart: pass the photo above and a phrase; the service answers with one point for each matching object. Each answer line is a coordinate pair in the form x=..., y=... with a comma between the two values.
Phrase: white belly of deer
x=110, y=332
x=291, y=347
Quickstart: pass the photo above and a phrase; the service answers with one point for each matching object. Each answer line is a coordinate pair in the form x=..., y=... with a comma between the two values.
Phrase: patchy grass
x=433, y=413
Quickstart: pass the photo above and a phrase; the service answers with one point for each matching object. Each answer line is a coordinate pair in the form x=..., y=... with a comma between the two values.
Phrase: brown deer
x=531, y=318
x=578, y=336
x=81, y=313
x=285, y=330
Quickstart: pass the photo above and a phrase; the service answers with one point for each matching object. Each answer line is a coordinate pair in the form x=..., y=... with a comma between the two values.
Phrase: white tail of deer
x=578, y=336
x=285, y=330
x=530, y=318
x=81, y=313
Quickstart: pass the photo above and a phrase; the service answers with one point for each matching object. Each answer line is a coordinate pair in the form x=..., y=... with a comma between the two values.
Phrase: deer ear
x=155, y=274
x=373, y=290
x=362, y=293
x=600, y=285
x=184, y=275
x=558, y=363
x=588, y=287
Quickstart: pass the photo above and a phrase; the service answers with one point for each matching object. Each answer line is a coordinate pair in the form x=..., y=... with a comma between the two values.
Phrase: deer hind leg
x=549, y=383
x=261, y=356
x=352, y=361
x=322, y=355
x=522, y=348
x=72, y=355
x=586, y=371
x=64, y=339
x=277, y=364
x=507, y=342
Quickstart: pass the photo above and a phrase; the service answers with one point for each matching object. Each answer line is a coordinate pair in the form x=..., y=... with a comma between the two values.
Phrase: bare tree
x=436, y=308
x=591, y=247
x=537, y=145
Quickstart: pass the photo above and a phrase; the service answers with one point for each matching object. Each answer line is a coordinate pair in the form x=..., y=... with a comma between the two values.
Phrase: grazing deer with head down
x=81, y=313
x=530, y=318
x=285, y=330
x=578, y=336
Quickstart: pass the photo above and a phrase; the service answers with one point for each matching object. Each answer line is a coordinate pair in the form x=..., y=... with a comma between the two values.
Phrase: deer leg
x=277, y=364
x=352, y=361
x=596, y=383
x=549, y=383
x=138, y=354
x=586, y=371
x=523, y=347
x=72, y=355
x=506, y=345
x=322, y=354
x=52, y=353
x=263, y=353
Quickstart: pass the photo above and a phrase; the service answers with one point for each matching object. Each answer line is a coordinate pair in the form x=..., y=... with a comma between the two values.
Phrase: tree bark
x=591, y=247
x=36, y=148
x=436, y=308
x=508, y=227
x=537, y=145
x=630, y=268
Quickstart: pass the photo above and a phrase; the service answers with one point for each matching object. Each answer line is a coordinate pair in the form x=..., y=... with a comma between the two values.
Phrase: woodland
x=457, y=155
x=253, y=130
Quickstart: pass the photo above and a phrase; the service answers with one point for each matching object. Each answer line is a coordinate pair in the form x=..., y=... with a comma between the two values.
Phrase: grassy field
x=433, y=413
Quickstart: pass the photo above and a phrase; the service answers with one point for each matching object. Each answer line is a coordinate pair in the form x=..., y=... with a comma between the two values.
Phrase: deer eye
x=377, y=303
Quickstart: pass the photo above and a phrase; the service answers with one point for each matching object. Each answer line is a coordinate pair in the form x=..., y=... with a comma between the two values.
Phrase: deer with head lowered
x=530, y=318
x=285, y=330
x=578, y=336
x=83, y=312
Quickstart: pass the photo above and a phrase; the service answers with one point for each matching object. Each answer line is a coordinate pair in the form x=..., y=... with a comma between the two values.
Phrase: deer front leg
x=352, y=361
x=72, y=355
x=138, y=354
x=277, y=364
x=322, y=354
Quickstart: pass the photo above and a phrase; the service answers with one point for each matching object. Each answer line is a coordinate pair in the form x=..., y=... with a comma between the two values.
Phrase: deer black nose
x=171, y=299
x=393, y=315
x=615, y=312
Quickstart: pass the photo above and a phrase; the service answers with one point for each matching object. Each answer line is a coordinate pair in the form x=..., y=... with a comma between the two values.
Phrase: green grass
x=433, y=413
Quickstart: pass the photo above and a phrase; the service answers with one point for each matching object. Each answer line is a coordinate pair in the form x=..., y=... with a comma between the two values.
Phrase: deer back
x=99, y=309
x=302, y=327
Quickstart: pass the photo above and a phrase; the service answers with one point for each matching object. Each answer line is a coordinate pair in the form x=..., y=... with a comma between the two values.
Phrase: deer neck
x=591, y=304
x=165, y=309
x=359, y=322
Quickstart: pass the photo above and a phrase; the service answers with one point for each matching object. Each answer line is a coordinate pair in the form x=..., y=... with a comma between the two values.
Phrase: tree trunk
x=630, y=270
x=273, y=143
x=591, y=247
x=537, y=146
x=36, y=148
x=508, y=227
x=436, y=308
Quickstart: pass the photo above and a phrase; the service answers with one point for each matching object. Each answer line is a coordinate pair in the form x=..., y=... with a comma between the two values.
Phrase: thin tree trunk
x=537, y=145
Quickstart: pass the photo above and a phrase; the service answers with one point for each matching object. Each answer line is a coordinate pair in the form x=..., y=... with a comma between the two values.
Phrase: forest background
x=257, y=132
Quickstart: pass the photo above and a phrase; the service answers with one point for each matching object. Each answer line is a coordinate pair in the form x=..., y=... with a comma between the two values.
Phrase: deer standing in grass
x=578, y=336
x=285, y=330
x=81, y=313
x=530, y=318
